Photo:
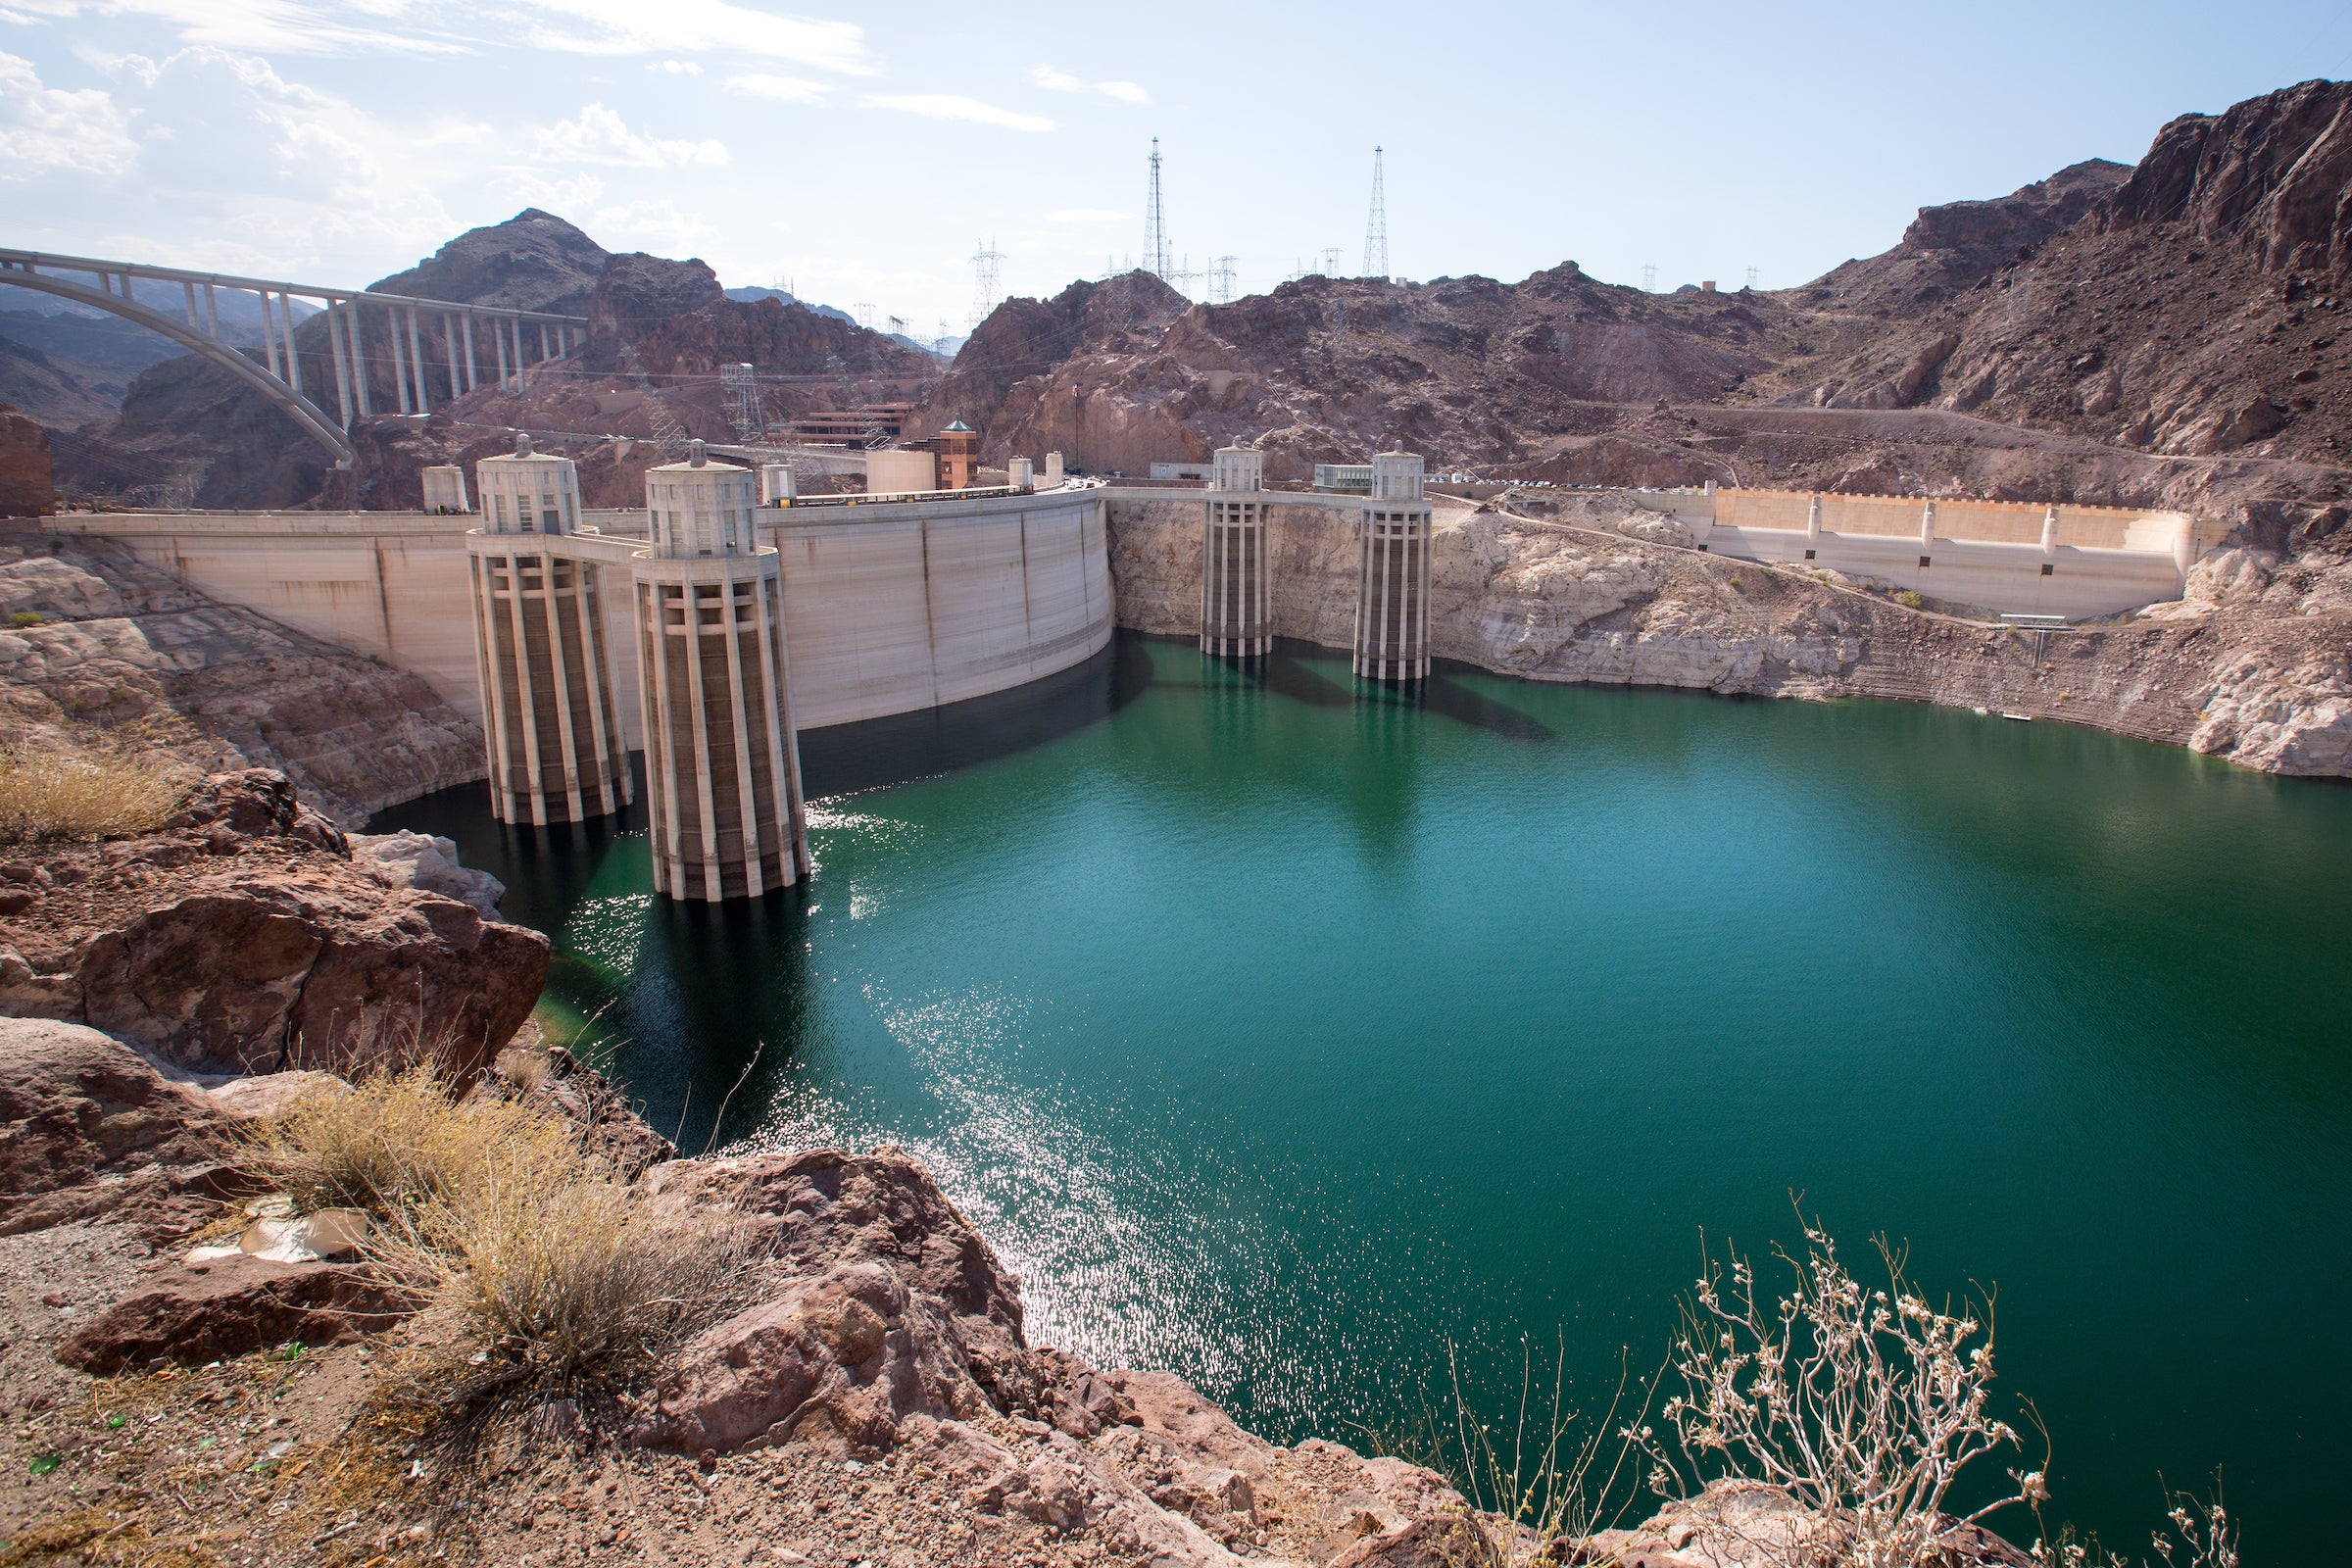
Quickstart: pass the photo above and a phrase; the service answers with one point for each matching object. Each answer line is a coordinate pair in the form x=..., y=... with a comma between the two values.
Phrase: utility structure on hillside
x=550, y=720
x=1220, y=280
x=986, y=259
x=1236, y=612
x=1156, y=228
x=1376, y=228
x=722, y=761
x=1392, y=602
x=741, y=384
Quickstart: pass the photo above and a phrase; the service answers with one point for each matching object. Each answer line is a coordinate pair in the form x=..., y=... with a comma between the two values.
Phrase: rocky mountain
x=26, y=489
x=660, y=331
x=2077, y=339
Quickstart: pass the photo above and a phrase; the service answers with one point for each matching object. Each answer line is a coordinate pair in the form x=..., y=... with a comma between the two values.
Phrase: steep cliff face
x=1024, y=338
x=671, y=319
x=120, y=645
x=2272, y=174
x=2255, y=664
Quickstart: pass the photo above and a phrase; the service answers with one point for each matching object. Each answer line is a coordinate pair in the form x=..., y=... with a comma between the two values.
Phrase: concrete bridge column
x=399, y=366
x=285, y=315
x=189, y=289
x=449, y=354
x=498, y=335
x=359, y=356
x=469, y=374
x=212, y=313
x=336, y=352
x=417, y=364
x=269, y=337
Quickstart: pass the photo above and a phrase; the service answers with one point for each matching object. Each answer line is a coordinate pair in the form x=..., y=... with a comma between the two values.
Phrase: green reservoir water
x=1280, y=1034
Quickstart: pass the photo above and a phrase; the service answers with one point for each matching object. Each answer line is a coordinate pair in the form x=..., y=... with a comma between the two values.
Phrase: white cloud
x=654, y=226
x=785, y=89
x=949, y=105
x=1054, y=80
x=44, y=129
x=563, y=197
x=601, y=137
x=446, y=26
x=674, y=68
x=1084, y=215
x=230, y=168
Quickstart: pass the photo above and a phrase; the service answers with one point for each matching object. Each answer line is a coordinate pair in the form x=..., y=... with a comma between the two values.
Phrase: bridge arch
x=296, y=407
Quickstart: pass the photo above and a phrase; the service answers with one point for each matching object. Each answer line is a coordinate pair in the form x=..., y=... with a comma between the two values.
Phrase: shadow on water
x=843, y=758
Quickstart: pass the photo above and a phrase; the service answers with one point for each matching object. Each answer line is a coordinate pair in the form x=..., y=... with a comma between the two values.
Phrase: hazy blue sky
x=862, y=151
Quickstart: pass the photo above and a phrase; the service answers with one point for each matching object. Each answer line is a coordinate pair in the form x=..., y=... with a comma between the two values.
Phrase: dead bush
x=396, y=1142
x=537, y=1263
x=74, y=792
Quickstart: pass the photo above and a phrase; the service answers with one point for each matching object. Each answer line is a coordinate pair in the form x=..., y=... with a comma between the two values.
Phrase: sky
x=861, y=155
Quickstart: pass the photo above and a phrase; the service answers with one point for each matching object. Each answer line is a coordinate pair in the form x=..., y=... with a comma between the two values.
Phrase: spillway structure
x=1392, y=602
x=722, y=757
x=1235, y=614
x=550, y=721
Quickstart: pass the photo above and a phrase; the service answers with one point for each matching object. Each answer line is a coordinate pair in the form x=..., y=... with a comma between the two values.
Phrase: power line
x=1155, y=229
x=1220, y=280
x=1376, y=228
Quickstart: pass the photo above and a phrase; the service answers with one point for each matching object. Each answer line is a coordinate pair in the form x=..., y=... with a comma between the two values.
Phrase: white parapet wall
x=889, y=607
x=2101, y=561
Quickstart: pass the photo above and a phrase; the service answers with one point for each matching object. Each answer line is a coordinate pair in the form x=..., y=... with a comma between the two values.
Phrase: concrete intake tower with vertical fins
x=550, y=717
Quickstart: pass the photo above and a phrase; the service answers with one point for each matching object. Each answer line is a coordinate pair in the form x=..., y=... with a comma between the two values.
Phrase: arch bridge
x=358, y=320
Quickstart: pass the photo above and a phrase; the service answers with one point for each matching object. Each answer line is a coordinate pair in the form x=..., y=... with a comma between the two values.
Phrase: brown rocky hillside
x=2171, y=331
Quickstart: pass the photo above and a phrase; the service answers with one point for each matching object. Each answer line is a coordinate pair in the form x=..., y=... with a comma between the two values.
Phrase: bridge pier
x=470, y=372
x=335, y=351
x=417, y=364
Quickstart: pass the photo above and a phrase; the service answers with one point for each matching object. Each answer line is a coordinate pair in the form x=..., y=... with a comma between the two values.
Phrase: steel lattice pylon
x=1155, y=229
x=1376, y=228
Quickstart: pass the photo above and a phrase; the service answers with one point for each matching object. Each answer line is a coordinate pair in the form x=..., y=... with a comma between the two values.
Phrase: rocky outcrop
x=243, y=939
x=1023, y=339
x=91, y=1128
x=122, y=645
x=192, y=1314
x=553, y=1080
x=2255, y=667
x=2272, y=174
x=534, y=260
x=27, y=487
x=428, y=863
x=666, y=318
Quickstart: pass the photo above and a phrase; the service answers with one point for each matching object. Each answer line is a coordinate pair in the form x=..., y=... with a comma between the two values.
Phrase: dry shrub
x=74, y=792
x=557, y=1276
x=393, y=1142
x=538, y=1265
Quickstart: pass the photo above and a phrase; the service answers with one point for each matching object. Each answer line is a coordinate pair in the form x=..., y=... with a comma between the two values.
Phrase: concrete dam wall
x=887, y=606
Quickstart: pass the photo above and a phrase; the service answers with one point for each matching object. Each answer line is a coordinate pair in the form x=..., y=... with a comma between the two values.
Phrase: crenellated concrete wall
x=887, y=606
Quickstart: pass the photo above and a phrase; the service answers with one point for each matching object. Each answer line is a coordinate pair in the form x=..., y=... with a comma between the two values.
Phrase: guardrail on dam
x=887, y=606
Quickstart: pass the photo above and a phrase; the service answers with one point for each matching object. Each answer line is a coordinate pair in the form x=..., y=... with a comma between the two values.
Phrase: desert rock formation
x=120, y=645
x=244, y=937
x=2253, y=665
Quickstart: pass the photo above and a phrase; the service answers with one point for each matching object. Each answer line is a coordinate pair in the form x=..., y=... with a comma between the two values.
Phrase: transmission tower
x=985, y=262
x=1220, y=280
x=898, y=326
x=866, y=315
x=1649, y=277
x=1376, y=228
x=742, y=402
x=1156, y=228
x=1180, y=277
x=1331, y=261
x=1751, y=277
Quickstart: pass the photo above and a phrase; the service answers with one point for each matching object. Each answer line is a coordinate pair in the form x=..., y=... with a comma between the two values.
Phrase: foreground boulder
x=244, y=939
x=193, y=1313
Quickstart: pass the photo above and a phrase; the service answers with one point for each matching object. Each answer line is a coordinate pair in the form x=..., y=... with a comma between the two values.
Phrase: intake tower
x=1392, y=600
x=1234, y=590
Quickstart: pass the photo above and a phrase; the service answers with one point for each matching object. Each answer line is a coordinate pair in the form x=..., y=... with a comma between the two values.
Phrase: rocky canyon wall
x=2254, y=664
